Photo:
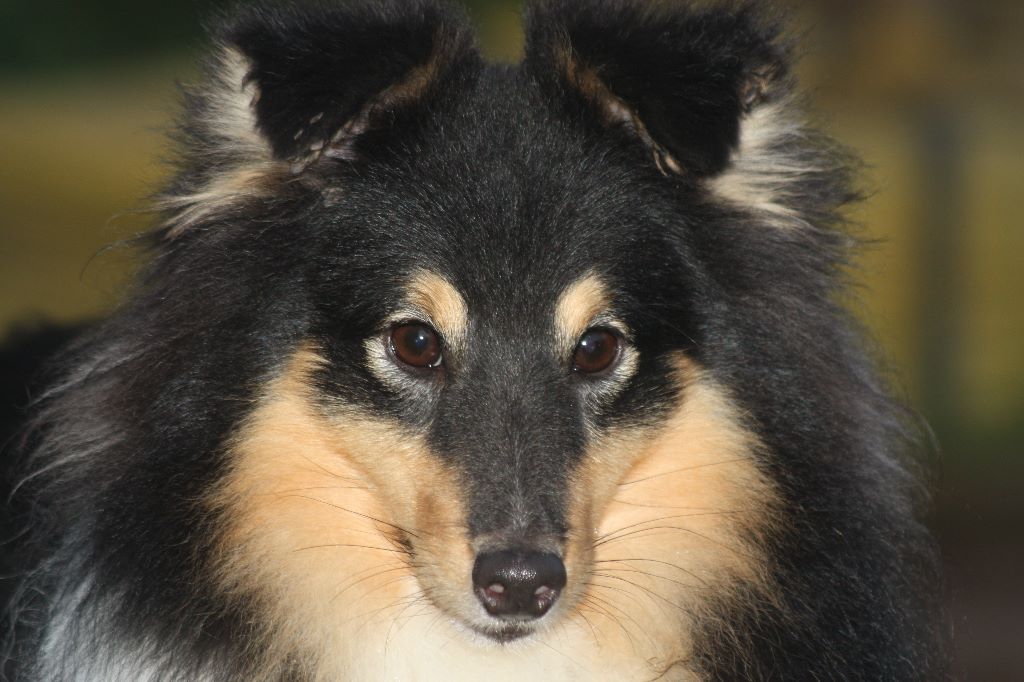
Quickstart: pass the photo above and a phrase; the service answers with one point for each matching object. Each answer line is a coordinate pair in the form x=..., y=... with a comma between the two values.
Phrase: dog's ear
x=321, y=77
x=680, y=80
x=287, y=88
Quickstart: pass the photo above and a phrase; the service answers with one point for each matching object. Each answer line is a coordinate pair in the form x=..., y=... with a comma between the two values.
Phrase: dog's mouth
x=505, y=632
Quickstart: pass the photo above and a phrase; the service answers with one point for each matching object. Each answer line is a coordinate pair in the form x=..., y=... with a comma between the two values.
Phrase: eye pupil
x=416, y=345
x=596, y=351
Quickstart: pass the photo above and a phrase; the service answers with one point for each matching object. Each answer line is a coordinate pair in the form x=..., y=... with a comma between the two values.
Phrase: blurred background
x=929, y=92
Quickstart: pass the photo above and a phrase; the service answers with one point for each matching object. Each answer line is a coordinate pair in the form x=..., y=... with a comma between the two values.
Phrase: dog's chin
x=484, y=629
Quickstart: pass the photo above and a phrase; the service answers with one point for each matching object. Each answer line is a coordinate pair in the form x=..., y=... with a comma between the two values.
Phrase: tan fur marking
x=314, y=498
x=442, y=303
x=579, y=304
x=312, y=508
x=668, y=517
x=222, y=193
x=421, y=78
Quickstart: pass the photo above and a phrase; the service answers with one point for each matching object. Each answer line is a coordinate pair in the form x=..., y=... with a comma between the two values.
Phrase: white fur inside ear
x=230, y=115
x=243, y=157
x=767, y=166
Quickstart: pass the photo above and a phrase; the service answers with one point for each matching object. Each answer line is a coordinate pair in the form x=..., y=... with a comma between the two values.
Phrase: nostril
x=518, y=584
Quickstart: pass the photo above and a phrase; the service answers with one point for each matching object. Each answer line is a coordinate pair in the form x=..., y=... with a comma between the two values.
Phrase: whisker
x=673, y=506
x=348, y=544
x=325, y=469
x=581, y=612
x=652, y=575
x=401, y=601
x=664, y=321
x=647, y=532
x=651, y=561
x=609, y=588
x=324, y=487
x=377, y=533
x=613, y=535
x=352, y=511
x=649, y=591
x=608, y=606
x=689, y=468
x=427, y=608
x=368, y=615
x=356, y=579
x=561, y=653
x=420, y=597
x=435, y=621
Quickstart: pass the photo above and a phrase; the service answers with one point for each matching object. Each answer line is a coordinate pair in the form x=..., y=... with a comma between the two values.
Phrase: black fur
x=512, y=183
x=23, y=354
x=365, y=48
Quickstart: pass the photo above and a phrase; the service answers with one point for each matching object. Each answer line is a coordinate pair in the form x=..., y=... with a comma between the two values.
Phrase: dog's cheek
x=318, y=513
x=444, y=557
x=668, y=521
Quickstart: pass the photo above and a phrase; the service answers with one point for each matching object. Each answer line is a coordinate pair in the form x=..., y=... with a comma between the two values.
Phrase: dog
x=446, y=369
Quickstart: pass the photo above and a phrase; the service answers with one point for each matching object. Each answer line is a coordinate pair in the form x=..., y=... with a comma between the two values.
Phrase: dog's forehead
x=565, y=303
x=503, y=201
x=502, y=168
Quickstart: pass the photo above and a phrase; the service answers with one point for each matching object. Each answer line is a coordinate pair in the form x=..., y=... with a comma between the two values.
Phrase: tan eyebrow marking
x=442, y=303
x=579, y=304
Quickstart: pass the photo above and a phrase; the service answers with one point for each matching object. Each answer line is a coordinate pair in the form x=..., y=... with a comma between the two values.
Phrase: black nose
x=513, y=583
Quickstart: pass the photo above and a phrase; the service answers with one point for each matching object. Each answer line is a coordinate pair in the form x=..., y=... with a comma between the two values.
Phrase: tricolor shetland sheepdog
x=442, y=369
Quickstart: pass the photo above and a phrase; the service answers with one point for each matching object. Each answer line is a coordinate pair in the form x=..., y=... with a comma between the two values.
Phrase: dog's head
x=487, y=322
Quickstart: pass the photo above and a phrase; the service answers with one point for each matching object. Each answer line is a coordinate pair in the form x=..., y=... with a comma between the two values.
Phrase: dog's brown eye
x=416, y=345
x=596, y=351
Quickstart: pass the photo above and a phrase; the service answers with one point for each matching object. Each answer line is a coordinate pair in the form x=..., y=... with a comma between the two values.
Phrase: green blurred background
x=929, y=92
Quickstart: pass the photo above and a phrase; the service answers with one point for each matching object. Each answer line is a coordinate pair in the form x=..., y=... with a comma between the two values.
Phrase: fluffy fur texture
x=236, y=477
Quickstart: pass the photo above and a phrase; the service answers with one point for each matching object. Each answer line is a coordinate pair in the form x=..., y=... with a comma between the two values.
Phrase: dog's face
x=496, y=364
x=498, y=399
x=450, y=370
x=501, y=412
